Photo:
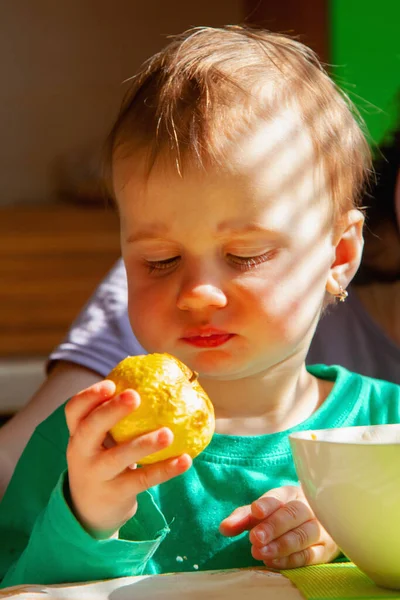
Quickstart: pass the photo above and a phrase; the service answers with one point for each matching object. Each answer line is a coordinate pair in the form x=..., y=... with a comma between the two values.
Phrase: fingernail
x=107, y=388
x=182, y=461
x=260, y=535
x=178, y=462
x=276, y=562
x=127, y=397
x=260, y=510
x=269, y=550
x=164, y=436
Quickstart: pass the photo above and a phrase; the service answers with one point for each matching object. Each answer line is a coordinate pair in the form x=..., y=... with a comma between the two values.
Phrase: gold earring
x=342, y=294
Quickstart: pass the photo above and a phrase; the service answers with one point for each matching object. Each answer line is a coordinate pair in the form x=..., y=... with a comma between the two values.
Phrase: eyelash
x=241, y=262
x=245, y=263
x=162, y=265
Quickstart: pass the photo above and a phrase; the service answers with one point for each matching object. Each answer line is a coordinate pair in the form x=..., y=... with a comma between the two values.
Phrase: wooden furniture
x=51, y=259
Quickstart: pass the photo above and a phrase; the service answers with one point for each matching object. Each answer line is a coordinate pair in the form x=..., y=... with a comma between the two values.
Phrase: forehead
x=272, y=166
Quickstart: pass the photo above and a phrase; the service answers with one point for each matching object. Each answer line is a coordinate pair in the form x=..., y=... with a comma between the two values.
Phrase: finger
x=240, y=520
x=297, y=539
x=274, y=499
x=313, y=555
x=80, y=405
x=286, y=518
x=139, y=480
x=92, y=431
x=246, y=517
x=118, y=458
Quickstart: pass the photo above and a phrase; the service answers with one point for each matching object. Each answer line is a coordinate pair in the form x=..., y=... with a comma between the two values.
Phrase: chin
x=217, y=364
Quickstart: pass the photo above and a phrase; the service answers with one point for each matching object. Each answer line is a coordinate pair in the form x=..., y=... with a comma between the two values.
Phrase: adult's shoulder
x=346, y=335
x=101, y=335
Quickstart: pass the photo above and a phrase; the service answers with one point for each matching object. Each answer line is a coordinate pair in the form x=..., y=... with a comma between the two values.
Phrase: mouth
x=207, y=338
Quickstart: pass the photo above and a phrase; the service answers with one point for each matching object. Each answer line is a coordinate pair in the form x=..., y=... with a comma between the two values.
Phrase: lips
x=207, y=337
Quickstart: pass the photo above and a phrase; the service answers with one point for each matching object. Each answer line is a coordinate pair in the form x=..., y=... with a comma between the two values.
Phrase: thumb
x=240, y=520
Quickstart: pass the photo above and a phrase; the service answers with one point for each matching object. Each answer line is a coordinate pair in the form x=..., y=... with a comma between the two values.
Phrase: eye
x=162, y=265
x=245, y=263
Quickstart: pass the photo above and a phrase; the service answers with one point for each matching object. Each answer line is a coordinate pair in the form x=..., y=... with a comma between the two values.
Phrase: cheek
x=146, y=308
x=284, y=320
x=287, y=301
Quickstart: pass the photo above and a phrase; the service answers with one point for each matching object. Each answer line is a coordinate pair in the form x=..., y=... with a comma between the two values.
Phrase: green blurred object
x=365, y=58
x=338, y=581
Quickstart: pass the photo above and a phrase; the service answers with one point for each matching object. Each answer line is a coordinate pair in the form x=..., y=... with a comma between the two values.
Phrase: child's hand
x=103, y=482
x=284, y=531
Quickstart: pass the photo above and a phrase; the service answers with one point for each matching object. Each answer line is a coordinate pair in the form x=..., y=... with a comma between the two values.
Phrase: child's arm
x=42, y=541
x=102, y=485
x=284, y=531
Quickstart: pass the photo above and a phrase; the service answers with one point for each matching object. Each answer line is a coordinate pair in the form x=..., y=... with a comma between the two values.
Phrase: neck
x=274, y=400
x=382, y=302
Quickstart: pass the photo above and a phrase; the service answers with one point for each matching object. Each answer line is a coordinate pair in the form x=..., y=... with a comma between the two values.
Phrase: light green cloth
x=338, y=581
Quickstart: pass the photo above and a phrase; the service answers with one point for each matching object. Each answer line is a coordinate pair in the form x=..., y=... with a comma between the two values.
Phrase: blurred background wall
x=62, y=64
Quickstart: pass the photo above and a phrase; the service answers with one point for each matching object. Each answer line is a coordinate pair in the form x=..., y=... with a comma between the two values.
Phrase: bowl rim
x=305, y=434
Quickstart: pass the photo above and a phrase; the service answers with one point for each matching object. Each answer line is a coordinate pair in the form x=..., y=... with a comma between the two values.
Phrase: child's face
x=228, y=271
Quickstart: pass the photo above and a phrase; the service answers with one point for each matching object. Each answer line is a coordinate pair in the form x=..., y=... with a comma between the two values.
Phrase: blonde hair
x=207, y=86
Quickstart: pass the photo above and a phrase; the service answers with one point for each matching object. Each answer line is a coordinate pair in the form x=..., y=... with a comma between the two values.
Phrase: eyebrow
x=237, y=228
x=157, y=230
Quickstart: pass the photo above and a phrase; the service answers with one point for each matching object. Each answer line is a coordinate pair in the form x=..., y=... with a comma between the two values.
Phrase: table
x=234, y=584
x=337, y=581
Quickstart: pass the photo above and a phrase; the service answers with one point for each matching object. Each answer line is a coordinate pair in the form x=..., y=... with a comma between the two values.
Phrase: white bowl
x=351, y=478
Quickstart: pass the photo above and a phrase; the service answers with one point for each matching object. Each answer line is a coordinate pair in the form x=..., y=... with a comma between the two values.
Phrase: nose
x=201, y=295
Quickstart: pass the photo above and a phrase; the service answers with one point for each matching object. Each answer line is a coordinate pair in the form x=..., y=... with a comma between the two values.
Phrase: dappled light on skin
x=274, y=182
x=237, y=180
x=272, y=146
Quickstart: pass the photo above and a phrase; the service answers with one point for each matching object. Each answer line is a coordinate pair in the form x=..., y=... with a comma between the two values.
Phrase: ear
x=349, y=244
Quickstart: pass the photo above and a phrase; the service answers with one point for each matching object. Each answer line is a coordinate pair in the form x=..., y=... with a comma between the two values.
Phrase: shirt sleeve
x=42, y=541
x=101, y=335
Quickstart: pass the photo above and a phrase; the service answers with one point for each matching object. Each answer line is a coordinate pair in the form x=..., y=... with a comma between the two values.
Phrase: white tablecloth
x=235, y=584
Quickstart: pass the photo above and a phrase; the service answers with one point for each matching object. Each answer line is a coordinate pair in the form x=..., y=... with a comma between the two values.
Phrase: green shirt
x=176, y=525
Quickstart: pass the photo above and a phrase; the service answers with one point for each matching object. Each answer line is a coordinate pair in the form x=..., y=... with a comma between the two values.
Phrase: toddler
x=237, y=167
